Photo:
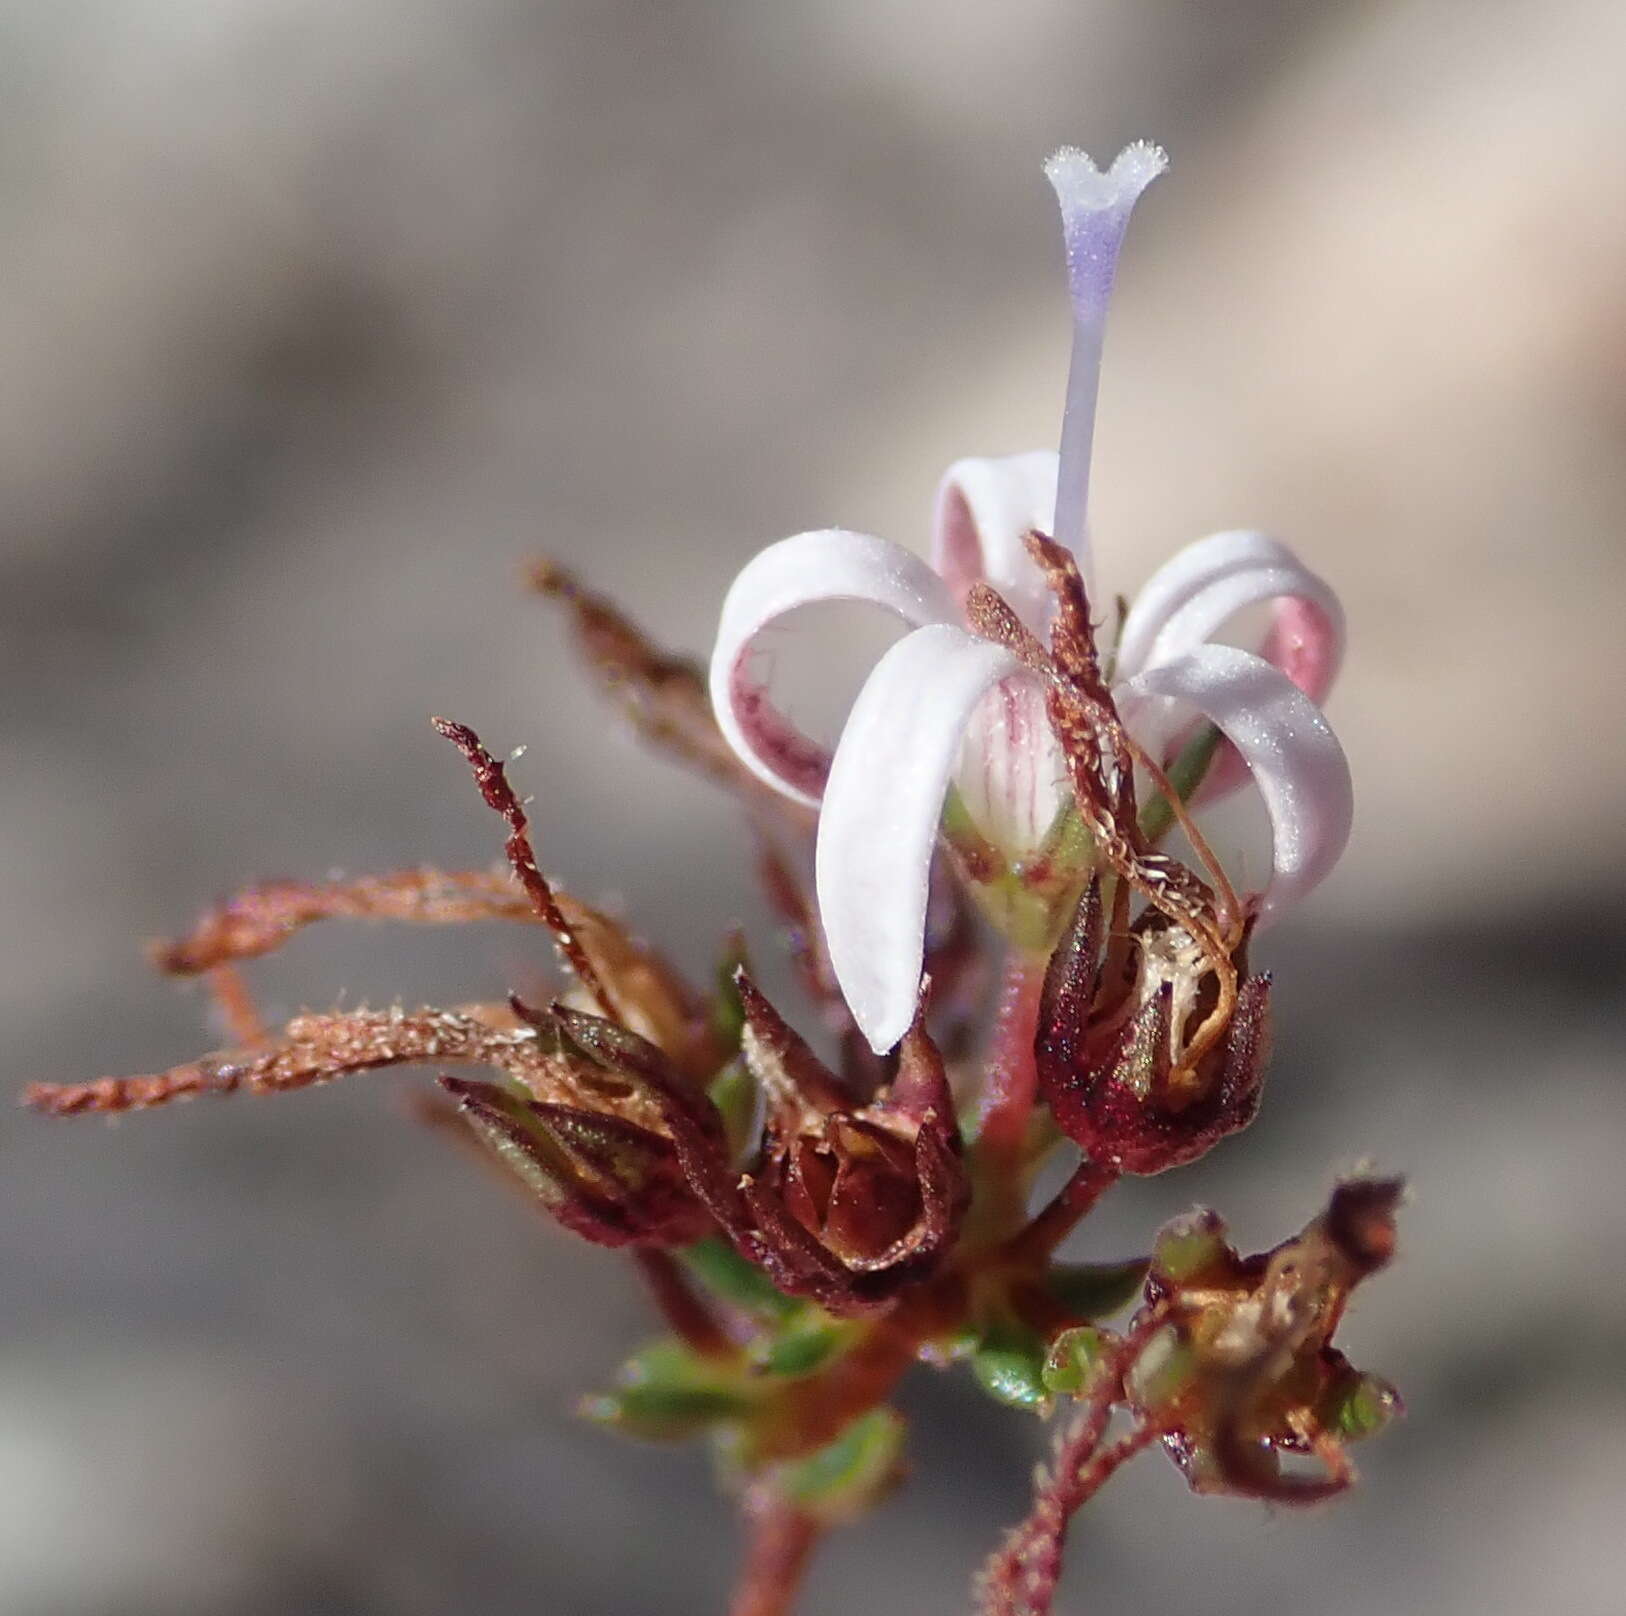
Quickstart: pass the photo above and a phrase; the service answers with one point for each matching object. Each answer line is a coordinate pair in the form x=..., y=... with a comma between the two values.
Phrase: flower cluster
x=811, y=1224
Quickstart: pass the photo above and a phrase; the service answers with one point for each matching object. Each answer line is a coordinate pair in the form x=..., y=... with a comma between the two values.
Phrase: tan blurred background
x=317, y=319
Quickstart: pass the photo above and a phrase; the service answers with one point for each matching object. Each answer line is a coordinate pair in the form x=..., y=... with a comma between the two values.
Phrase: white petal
x=832, y=565
x=1188, y=572
x=1192, y=595
x=1012, y=776
x=878, y=826
x=1287, y=744
x=1095, y=209
x=985, y=508
x=1204, y=615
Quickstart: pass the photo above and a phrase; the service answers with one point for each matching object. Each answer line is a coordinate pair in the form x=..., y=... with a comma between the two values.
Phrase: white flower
x=945, y=706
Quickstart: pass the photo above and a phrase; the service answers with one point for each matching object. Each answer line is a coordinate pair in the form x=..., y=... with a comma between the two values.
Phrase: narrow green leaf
x=667, y=1392
x=733, y=1091
x=1095, y=1290
x=722, y=1270
x=1185, y=775
x=843, y=1478
x=806, y=1345
x=666, y=1413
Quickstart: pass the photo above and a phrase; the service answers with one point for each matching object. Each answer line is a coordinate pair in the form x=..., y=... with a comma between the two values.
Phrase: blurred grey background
x=317, y=320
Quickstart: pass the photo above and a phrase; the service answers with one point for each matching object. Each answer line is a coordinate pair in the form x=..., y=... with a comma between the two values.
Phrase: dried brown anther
x=1203, y=922
x=664, y=696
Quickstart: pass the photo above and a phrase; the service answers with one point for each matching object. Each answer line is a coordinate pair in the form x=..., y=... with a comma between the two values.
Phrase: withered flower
x=1229, y=1365
x=1241, y=1368
x=1114, y=1020
x=854, y=1200
x=604, y=1160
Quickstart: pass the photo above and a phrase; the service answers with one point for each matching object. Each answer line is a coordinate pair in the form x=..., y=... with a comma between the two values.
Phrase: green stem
x=1186, y=773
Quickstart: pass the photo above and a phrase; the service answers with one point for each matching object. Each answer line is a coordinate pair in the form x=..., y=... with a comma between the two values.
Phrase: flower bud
x=610, y=1181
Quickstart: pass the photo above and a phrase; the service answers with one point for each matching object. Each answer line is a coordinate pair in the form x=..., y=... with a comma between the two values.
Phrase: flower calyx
x=1114, y=1052
x=592, y=1136
x=850, y=1202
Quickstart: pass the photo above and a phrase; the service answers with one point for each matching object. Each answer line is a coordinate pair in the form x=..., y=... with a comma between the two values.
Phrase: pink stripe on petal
x=985, y=509
x=878, y=826
x=1013, y=776
x=809, y=569
x=1287, y=744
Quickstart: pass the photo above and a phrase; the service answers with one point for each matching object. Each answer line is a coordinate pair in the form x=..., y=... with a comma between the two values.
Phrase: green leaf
x=666, y=1413
x=722, y=1270
x=1094, y=1290
x=666, y=1393
x=1009, y=1365
x=1074, y=1359
x=734, y=1092
x=1185, y=775
x=806, y=1344
x=727, y=1009
x=850, y=1473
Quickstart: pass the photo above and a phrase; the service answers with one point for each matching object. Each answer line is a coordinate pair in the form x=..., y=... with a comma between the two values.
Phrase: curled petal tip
x=1288, y=747
x=809, y=569
x=1191, y=597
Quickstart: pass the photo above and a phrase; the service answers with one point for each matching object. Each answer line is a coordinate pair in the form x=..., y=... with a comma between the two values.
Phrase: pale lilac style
x=947, y=706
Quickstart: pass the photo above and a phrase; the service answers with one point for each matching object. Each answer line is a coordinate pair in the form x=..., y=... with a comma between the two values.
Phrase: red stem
x=684, y=1312
x=1012, y=1083
x=1070, y=1205
x=780, y=1543
x=1021, y=1576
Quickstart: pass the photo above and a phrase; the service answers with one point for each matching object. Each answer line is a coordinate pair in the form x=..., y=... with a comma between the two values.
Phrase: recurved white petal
x=878, y=825
x=832, y=565
x=1188, y=572
x=985, y=509
x=1189, y=599
x=1285, y=741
